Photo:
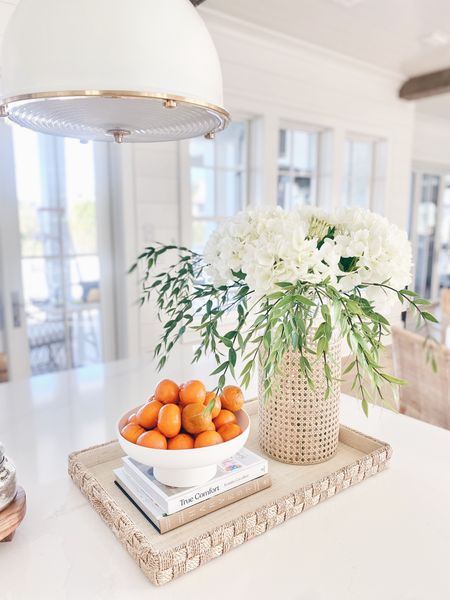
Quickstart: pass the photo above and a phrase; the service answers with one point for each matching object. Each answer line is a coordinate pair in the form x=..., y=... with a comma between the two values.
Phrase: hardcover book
x=164, y=522
x=240, y=468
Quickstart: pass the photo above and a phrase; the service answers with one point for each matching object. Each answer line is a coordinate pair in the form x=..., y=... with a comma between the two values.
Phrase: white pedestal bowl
x=185, y=468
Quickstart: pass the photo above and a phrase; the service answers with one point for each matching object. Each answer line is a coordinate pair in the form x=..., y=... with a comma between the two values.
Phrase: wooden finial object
x=12, y=516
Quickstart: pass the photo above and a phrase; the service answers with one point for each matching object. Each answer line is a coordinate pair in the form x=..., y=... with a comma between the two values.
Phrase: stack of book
x=168, y=508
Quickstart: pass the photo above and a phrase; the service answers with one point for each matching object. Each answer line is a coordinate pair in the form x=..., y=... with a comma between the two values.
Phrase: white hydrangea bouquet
x=285, y=274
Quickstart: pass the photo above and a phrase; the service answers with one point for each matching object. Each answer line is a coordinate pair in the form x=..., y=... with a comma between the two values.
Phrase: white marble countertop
x=388, y=538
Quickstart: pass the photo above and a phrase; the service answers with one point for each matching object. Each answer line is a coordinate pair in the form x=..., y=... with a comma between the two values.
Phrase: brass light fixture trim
x=170, y=103
x=118, y=134
x=117, y=94
x=220, y=115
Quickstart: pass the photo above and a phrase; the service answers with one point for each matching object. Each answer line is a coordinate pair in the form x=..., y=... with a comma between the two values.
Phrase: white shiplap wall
x=432, y=140
x=276, y=78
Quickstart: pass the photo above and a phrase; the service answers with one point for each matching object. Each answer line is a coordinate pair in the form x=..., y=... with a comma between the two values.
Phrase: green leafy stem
x=299, y=316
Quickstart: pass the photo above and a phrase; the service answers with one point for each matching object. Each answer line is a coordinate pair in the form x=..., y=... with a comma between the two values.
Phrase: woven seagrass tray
x=294, y=489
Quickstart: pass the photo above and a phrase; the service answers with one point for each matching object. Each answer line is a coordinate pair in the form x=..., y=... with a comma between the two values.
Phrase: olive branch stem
x=298, y=315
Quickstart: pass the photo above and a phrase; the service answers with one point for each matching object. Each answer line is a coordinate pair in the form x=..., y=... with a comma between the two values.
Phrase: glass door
x=58, y=191
x=13, y=334
x=444, y=253
x=425, y=242
x=4, y=372
x=430, y=230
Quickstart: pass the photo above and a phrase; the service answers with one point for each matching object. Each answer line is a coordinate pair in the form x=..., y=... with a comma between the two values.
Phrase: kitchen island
x=385, y=539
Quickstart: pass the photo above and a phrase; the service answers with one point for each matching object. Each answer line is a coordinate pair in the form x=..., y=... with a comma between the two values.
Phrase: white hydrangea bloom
x=274, y=245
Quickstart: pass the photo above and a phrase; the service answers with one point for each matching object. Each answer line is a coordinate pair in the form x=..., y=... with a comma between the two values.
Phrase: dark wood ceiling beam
x=423, y=86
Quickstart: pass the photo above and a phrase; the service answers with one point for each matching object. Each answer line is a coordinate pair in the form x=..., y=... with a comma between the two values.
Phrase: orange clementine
x=167, y=392
x=132, y=431
x=152, y=439
x=195, y=418
x=224, y=417
x=229, y=431
x=207, y=438
x=211, y=427
x=191, y=392
x=169, y=420
x=132, y=418
x=217, y=404
x=147, y=415
x=182, y=441
x=232, y=398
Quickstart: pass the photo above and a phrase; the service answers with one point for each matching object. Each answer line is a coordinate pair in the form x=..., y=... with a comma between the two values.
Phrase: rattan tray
x=294, y=489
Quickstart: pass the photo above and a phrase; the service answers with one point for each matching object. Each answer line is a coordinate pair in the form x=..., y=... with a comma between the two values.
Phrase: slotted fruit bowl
x=185, y=468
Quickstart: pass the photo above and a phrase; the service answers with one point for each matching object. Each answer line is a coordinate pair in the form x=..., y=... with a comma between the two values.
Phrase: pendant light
x=123, y=70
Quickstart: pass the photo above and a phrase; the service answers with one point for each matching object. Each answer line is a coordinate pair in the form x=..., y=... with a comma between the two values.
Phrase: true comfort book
x=240, y=468
x=164, y=522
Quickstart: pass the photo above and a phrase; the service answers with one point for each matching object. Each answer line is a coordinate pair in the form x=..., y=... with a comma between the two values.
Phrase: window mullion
x=373, y=175
x=215, y=186
x=316, y=171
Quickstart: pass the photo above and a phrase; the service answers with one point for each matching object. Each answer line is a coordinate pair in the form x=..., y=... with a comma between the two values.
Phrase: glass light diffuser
x=134, y=71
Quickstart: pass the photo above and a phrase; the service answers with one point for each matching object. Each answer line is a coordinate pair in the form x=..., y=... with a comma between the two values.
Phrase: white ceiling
x=386, y=33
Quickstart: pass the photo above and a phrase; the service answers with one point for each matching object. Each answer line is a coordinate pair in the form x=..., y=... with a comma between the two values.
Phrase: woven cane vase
x=297, y=425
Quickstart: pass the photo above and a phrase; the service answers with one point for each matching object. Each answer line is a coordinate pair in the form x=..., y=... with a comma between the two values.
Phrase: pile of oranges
x=185, y=417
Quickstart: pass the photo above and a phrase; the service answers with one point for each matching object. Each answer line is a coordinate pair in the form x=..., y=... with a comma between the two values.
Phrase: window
x=218, y=180
x=298, y=167
x=364, y=173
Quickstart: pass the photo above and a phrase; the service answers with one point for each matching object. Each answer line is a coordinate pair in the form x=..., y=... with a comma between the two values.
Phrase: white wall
x=148, y=212
x=274, y=78
x=431, y=142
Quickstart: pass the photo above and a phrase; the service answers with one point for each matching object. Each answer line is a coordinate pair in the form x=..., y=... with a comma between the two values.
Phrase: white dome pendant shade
x=123, y=70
